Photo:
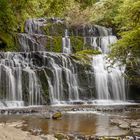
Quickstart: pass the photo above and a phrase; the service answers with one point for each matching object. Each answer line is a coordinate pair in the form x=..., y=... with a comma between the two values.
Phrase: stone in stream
x=134, y=124
x=35, y=131
x=57, y=115
x=81, y=137
x=71, y=136
x=61, y=136
x=116, y=121
x=124, y=125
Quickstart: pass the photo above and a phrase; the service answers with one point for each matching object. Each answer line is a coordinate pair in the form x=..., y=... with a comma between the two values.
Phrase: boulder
x=57, y=115
x=124, y=125
x=136, y=130
x=61, y=136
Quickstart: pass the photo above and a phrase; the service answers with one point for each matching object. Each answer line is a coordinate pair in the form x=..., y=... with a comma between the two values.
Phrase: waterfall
x=63, y=82
x=109, y=81
x=33, y=26
x=34, y=76
x=29, y=42
x=34, y=38
x=66, y=43
x=100, y=39
x=12, y=68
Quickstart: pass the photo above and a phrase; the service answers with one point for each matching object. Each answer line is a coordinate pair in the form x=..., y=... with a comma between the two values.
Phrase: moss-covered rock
x=57, y=115
x=60, y=136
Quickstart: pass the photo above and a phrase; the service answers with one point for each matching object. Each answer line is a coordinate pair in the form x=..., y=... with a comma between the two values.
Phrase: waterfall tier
x=52, y=35
x=31, y=77
x=109, y=80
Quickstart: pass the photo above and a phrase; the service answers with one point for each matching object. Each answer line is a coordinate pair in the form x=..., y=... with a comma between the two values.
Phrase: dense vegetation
x=122, y=15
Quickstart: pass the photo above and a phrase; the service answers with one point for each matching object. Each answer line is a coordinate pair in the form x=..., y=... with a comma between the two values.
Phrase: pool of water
x=95, y=123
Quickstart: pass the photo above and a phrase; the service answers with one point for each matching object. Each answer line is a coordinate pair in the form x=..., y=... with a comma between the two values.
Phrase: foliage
x=77, y=43
x=76, y=17
x=129, y=20
x=105, y=11
x=127, y=49
x=85, y=56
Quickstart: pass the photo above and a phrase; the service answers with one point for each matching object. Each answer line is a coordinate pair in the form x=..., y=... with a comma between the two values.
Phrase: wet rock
x=116, y=121
x=134, y=124
x=89, y=102
x=124, y=125
x=128, y=138
x=136, y=130
x=57, y=115
x=36, y=131
x=48, y=137
x=78, y=103
x=71, y=137
x=61, y=136
x=80, y=137
x=73, y=109
x=92, y=138
x=110, y=138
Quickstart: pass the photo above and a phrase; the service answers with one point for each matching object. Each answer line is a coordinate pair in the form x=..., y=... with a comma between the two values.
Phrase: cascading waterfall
x=27, y=77
x=109, y=81
x=101, y=39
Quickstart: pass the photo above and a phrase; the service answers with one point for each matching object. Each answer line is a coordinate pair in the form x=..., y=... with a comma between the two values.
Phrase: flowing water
x=34, y=76
x=109, y=81
x=66, y=43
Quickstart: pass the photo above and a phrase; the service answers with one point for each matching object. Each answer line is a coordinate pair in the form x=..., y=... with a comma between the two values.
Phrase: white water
x=12, y=67
x=66, y=44
x=109, y=81
x=57, y=92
